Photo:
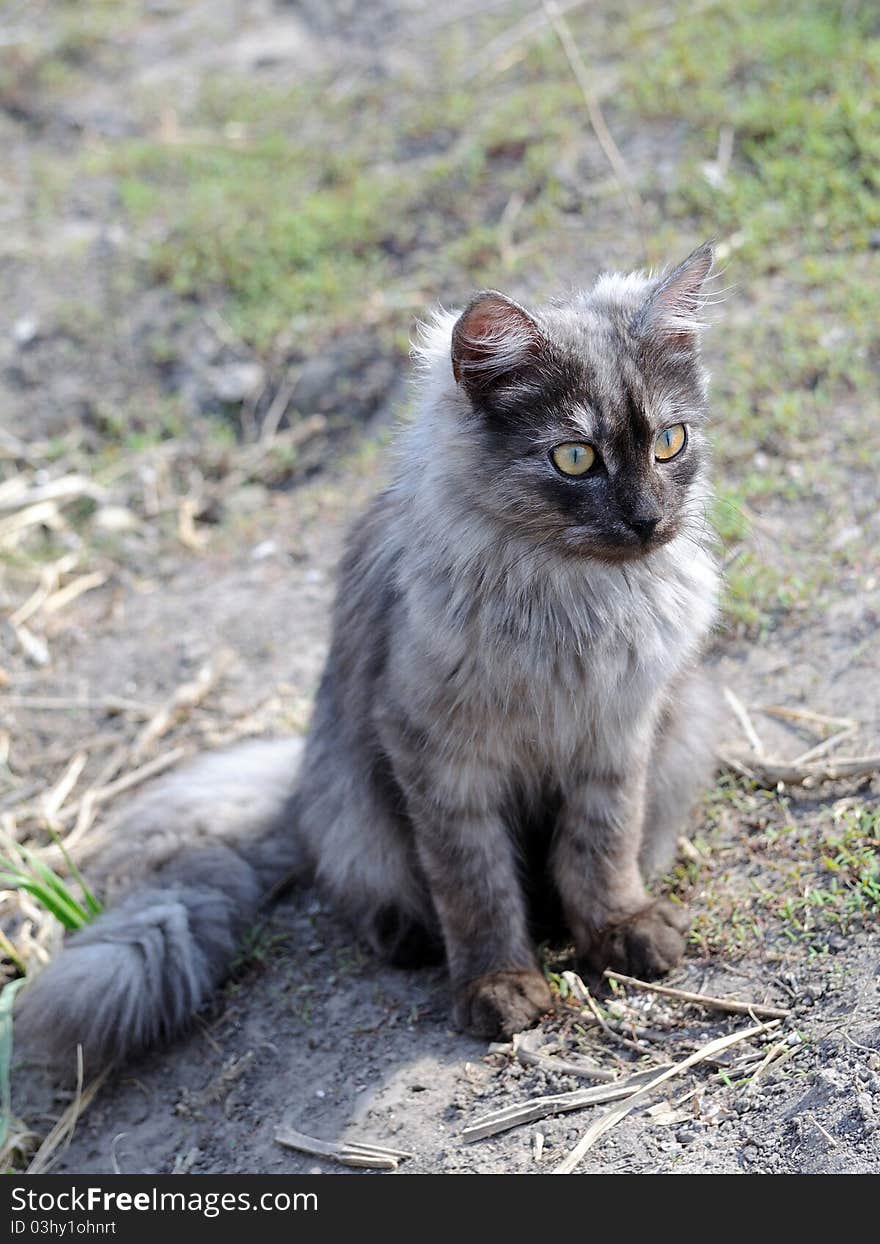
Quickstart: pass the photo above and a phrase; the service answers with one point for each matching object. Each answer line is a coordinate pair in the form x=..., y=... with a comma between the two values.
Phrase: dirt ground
x=311, y=1032
x=317, y=1036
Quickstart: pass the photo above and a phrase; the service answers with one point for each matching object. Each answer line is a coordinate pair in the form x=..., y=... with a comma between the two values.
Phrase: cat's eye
x=670, y=442
x=572, y=458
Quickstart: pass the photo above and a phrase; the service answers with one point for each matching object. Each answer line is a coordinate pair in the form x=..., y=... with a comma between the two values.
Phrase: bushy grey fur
x=512, y=720
x=184, y=872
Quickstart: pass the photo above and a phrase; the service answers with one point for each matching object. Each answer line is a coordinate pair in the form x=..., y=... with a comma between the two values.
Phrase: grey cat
x=512, y=722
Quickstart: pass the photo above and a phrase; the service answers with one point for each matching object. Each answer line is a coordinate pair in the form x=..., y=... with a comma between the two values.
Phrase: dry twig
x=616, y=1113
x=497, y=53
x=63, y=1130
x=778, y=1053
x=55, y=798
x=770, y=773
x=526, y=1054
x=110, y=704
x=819, y=1128
x=17, y=494
x=580, y=991
x=104, y=794
x=346, y=1152
x=558, y=1103
x=594, y=112
x=827, y=745
x=803, y=714
x=188, y=696
x=741, y=713
x=78, y=587
x=754, y=1009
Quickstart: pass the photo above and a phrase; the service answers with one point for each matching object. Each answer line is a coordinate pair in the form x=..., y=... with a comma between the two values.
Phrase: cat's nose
x=644, y=525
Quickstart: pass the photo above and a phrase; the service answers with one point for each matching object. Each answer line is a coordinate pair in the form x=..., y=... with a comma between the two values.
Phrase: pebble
x=25, y=330
x=266, y=548
x=831, y=1080
x=235, y=382
x=865, y=1105
x=116, y=518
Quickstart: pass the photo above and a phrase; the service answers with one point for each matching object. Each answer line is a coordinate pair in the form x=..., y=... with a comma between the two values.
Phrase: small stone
x=865, y=1105
x=266, y=548
x=844, y=537
x=235, y=382
x=831, y=1080
x=25, y=330
x=116, y=518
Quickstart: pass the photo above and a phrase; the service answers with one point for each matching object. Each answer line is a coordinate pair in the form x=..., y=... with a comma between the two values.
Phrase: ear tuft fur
x=672, y=311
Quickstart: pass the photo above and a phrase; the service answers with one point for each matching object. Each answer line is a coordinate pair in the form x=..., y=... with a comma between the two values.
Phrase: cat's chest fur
x=534, y=668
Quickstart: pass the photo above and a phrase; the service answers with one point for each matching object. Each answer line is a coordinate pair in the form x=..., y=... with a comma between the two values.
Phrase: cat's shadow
x=312, y=1032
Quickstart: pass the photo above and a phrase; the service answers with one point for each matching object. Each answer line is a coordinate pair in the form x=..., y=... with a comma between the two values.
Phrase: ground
x=220, y=221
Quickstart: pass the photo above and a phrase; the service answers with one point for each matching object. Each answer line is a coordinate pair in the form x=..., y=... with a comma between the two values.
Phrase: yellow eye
x=572, y=459
x=670, y=442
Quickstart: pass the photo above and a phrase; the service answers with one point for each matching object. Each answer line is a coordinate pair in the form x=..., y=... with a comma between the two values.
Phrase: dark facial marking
x=531, y=393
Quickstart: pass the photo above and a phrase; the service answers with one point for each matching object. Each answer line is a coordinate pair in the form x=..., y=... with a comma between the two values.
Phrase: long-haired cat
x=512, y=720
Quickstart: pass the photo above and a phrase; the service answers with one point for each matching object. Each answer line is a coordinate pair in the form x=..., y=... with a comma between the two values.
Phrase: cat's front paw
x=501, y=1003
x=647, y=944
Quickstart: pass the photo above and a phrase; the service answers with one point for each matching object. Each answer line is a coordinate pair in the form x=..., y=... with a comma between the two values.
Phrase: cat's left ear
x=671, y=314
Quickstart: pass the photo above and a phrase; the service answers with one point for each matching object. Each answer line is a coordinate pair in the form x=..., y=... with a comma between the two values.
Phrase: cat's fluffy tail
x=187, y=868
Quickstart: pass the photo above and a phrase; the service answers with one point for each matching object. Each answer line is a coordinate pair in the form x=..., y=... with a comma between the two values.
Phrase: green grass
x=799, y=84
x=7, y=1001
x=299, y=224
x=260, y=944
x=258, y=227
x=306, y=212
x=780, y=874
x=845, y=889
x=295, y=232
x=82, y=37
x=23, y=869
x=797, y=216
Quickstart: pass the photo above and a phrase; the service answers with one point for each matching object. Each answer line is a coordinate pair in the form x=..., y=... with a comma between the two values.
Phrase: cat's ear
x=494, y=340
x=671, y=314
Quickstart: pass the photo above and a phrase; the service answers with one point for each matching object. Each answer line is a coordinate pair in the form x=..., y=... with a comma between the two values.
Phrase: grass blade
x=63, y=907
x=7, y=999
x=88, y=897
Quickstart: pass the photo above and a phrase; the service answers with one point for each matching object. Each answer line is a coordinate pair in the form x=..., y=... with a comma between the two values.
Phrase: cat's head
x=584, y=417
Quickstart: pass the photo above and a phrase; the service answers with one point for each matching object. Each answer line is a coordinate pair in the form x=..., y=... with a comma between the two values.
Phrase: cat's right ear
x=671, y=316
x=494, y=341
